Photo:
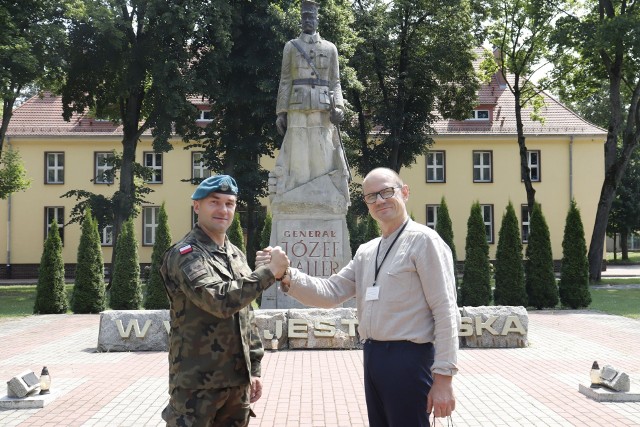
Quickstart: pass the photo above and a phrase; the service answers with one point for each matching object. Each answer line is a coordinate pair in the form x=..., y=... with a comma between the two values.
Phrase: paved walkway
x=535, y=386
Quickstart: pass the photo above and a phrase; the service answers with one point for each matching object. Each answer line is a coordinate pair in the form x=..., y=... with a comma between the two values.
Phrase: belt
x=311, y=82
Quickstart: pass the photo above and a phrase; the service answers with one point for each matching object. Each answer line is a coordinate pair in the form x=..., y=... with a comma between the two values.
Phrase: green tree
x=144, y=55
x=510, y=287
x=624, y=217
x=32, y=36
x=126, y=289
x=371, y=230
x=88, y=290
x=413, y=58
x=601, y=50
x=265, y=233
x=574, y=274
x=51, y=297
x=444, y=227
x=540, y=281
x=235, y=233
x=520, y=31
x=13, y=175
x=155, y=294
x=475, y=289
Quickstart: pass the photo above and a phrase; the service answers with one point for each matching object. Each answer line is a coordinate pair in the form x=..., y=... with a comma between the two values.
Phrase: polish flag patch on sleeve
x=185, y=249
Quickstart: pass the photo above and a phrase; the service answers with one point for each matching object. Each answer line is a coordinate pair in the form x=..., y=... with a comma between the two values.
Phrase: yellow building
x=471, y=160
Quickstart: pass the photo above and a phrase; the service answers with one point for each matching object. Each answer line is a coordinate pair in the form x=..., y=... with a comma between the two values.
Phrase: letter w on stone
x=133, y=324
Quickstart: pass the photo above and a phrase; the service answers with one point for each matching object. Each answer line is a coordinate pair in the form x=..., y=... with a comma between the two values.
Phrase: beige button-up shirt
x=416, y=298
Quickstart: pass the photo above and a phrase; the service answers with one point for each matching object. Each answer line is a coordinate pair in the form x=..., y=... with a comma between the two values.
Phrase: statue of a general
x=309, y=107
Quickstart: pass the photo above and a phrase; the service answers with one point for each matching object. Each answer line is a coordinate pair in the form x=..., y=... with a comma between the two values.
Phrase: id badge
x=372, y=293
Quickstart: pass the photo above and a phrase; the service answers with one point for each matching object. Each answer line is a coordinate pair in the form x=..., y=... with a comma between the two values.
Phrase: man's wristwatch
x=286, y=273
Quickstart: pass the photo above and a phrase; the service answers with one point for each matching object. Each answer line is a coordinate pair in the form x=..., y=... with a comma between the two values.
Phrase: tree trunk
x=524, y=162
x=615, y=246
x=624, y=245
x=7, y=112
x=596, y=247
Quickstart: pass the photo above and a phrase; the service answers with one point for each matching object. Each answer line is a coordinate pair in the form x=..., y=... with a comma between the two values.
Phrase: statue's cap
x=309, y=6
x=216, y=184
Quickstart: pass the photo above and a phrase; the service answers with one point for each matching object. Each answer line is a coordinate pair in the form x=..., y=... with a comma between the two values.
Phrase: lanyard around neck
x=378, y=267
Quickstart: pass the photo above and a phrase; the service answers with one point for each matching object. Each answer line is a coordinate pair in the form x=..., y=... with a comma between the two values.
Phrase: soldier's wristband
x=286, y=273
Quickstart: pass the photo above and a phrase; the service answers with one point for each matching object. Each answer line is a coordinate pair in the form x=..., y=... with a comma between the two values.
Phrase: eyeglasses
x=385, y=193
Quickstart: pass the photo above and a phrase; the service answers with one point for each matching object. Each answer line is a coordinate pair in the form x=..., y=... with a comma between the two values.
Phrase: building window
x=153, y=161
x=104, y=163
x=479, y=115
x=198, y=169
x=526, y=219
x=533, y=160
x=205, y=116
x=487, y=217
x=149, y=224
x=436, y=166
x=432, y=215
x=54, y=213
x=106, y=235
x=482, y=166
x=54, y=168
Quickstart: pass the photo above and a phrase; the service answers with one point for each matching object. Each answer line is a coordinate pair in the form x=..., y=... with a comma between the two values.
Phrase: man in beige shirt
x=408, y=319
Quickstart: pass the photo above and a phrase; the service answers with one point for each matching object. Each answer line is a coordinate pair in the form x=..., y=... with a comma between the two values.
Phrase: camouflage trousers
x=218, y=407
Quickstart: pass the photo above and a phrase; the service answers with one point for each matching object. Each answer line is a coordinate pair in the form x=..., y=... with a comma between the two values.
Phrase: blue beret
x=216, y=184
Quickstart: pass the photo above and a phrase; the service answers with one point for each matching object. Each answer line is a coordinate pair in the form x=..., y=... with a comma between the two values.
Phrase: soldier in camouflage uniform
x=214, y=347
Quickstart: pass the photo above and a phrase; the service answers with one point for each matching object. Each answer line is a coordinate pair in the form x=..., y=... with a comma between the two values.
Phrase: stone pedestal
x=309, y=223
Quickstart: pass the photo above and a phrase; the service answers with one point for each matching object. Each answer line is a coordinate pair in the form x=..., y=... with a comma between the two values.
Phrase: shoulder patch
x=194, y=269
x=185, y=249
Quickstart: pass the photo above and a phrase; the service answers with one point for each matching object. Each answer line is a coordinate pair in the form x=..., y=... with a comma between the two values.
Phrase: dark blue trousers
x=397, y=380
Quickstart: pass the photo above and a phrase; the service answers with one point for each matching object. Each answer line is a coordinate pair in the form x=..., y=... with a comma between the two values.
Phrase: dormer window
x=205, y=116
x=479, y=115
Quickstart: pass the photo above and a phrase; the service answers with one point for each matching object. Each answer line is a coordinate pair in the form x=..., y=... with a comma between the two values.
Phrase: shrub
x=510, y=289
x=155, y=294
x=126, y=292
x=475, y=289
x=265, y=233
x=235, y=233
x=542, y=290
x=444, y=227
x=372, y=229
x=88, y=291
x=50, y=294
x=574, y=273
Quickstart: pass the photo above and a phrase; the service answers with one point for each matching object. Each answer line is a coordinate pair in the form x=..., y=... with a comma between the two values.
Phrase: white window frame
x=433, y=209
x=154, y=161
x=485, y=169
x=51, y=213
x=534, y=166
x=100, y=169
x=476, y=114
x=56, y=169
x=487, y=218
x=198, y=169
x=106, y=235
x=525, y=223
x=149, y=224
x=204, y=116
x=433, y=168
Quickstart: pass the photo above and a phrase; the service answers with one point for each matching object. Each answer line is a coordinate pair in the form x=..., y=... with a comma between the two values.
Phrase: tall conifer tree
x=475, y=289
x=89, y=290
x=50, y=293
x=540, y=279
x=126, y=290
x=444, y=227
x=510, y=289
x=155, y=294
x=235, y=233
x=574, y=273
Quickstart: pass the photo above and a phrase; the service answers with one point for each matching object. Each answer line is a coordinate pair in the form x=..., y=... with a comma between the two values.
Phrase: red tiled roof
x=42, y=116
x=498, y=99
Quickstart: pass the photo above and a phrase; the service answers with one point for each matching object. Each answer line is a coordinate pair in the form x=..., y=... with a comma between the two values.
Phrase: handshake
x=277, y=261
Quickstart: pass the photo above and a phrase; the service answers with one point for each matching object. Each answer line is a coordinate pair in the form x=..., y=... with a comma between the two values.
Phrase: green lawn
x=18, y=300
x=623, y=302
x=634, y=258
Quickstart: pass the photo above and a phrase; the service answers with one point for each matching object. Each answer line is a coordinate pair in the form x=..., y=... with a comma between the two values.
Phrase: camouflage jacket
x=214, y=342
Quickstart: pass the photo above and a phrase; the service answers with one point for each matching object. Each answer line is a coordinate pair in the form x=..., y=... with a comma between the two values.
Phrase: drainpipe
x=570, y=169
x=8, y=269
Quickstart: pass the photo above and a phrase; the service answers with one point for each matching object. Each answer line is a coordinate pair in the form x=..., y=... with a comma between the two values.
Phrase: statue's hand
x=336, y=116
x=281, y=123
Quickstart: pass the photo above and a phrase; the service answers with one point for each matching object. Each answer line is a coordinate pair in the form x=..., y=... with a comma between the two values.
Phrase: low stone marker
x=308, y=328
x=134, y=330
x=22, y=384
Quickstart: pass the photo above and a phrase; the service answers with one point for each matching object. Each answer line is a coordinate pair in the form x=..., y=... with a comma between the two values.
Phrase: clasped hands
x=275, y=258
